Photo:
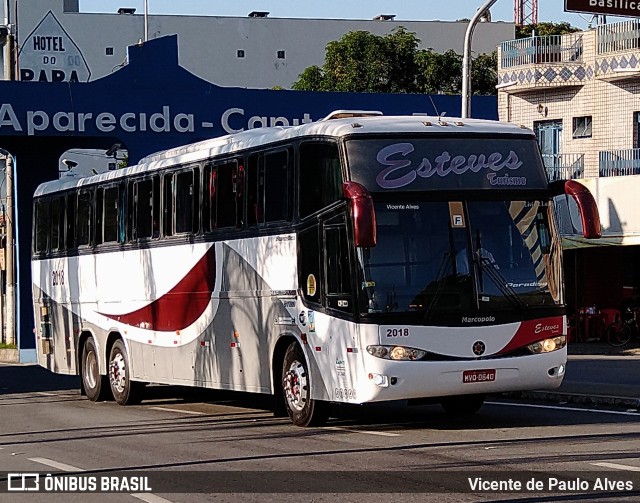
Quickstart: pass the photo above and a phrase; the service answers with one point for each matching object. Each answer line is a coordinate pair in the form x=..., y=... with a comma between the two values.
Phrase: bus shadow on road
x=33, y=378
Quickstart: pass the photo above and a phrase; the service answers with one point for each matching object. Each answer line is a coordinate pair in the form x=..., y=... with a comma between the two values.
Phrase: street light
x=482, y=12
x=146, y=20
x=11, y=314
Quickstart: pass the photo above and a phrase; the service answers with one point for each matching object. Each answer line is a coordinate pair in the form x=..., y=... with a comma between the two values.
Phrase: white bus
x=357, y=259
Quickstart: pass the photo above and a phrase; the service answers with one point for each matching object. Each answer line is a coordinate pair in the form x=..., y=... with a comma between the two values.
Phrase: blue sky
x=445, y=10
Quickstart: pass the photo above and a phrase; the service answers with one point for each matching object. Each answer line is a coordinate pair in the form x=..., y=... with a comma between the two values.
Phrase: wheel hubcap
x=118, y=373
x=296, y=387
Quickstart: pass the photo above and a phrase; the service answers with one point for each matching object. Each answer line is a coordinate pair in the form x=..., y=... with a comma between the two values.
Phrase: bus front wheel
x=125, y=391
x=95, y=386
x=296, y=387
x=462, y=405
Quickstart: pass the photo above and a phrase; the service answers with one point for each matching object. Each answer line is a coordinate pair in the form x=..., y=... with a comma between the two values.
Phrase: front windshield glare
x=499, y=257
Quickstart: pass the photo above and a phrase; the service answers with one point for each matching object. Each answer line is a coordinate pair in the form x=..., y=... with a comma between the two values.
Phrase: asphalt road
x=205, y=446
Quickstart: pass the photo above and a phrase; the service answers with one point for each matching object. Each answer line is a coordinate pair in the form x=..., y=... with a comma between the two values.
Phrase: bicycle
x=621, y=331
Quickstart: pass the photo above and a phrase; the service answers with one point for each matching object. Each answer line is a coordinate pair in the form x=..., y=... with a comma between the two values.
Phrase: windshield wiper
x=489, y=267
x=447, y=257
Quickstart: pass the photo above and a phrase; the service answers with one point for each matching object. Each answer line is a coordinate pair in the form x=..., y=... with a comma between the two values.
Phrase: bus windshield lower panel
x=448, y=259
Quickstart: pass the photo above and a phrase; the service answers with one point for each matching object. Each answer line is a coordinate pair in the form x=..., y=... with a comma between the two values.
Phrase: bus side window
x=84, y=215
x=141, y=204
x=57, y=225
x=186, y=198
x=255, y=202
x=70, y=220
x=209, y=198
x=167, y=205
x=226, y=194
x=155, y=204
x=275, y=178
x=43, y=224
x=109, y=210
x=269, y=188
x=337, y=267
x=320, y=177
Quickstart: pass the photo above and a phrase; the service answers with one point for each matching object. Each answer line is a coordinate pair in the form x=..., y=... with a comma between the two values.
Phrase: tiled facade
x=565, y=79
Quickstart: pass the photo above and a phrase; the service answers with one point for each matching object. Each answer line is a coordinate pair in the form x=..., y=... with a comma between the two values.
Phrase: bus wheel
x=296, y=387
x=462, y=405
x=95, y=386
x=125, y=391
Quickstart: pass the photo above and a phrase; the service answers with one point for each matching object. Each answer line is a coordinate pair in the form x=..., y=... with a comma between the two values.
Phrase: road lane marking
x=557, y=407
x=618, y=467
x=168, y=409
x=366, y=432
x=44, y=393
x=150, y=498
x=55, y=464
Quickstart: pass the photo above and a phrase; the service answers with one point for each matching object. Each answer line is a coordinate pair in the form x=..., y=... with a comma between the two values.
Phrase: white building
x=58, y=42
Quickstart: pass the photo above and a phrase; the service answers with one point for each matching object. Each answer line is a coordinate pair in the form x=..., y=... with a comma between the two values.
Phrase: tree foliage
x=545, y=29
x=363, y=62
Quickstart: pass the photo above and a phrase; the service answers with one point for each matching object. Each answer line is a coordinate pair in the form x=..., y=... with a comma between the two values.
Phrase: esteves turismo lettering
x=443, y=165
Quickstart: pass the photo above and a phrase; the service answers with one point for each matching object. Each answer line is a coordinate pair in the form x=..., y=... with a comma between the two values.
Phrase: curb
x=575, y=398
x=9, y=356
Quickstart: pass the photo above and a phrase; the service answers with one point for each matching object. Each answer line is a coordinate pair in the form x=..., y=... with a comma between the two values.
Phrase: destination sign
x=626, y=8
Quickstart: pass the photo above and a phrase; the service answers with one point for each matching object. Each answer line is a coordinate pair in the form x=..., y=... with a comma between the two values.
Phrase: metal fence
x=619, y=162
x=563, y=166
x=618, y=37
x=541, y=50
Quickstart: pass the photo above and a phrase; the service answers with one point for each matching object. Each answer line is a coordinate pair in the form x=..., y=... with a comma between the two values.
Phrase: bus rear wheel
x=125, y=391
x=94, y=385
x=462, y=405
x=296, y=387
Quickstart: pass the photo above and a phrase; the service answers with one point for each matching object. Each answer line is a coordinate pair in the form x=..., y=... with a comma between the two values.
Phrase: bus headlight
x=396, y=352
x=548, y=345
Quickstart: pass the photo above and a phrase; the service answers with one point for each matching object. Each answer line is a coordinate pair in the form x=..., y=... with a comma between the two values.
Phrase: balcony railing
x=620, y=162
x=563, y=166
x=619, y=37
x=541, y=50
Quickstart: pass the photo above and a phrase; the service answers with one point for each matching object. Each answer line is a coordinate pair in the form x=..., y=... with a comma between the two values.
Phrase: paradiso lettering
x=395, y=176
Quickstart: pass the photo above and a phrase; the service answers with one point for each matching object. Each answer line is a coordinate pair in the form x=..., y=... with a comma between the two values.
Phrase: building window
x=241, y=53
x=582, y=127
x=280, y=54
x=109, y=51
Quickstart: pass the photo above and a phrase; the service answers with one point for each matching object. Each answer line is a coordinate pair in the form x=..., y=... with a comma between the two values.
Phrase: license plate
x=470, y=376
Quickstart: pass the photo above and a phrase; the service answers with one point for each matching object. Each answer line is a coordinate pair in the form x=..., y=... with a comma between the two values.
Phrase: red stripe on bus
x=180, y=306
x=534, y=330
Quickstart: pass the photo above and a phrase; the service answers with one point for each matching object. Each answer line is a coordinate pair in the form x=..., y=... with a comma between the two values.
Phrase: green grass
x=4, y=345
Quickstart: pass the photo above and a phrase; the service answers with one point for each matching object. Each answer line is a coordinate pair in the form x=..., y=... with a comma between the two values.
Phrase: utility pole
x=466, y=60
x=10, y=337
x=146, y=20
x=8, y=43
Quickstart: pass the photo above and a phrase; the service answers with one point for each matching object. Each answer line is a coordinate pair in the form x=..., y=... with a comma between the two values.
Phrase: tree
x=439, y=73
x=545, y=29
x=363, y=62
x=484, y=74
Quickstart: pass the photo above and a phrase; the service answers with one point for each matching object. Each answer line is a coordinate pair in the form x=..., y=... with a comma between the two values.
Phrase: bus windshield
x=441, y=256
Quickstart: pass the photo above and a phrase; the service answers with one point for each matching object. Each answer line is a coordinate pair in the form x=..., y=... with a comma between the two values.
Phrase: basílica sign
x=626, y=8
